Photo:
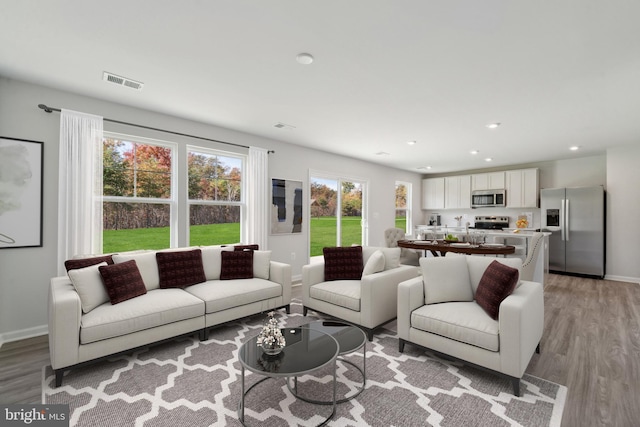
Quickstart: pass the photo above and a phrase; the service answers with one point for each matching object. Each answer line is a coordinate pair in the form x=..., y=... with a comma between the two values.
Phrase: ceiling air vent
x=122, y=81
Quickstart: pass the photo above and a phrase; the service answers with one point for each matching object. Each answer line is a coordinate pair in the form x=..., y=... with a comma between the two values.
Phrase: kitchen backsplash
x=448, y=217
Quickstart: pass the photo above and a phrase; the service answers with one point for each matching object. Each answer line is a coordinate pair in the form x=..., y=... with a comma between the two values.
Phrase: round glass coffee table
x=350, y=338
x=307, y=350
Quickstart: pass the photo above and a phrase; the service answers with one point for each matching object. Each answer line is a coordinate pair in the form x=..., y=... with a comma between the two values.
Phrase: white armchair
x=439, y=312
x=369, y=302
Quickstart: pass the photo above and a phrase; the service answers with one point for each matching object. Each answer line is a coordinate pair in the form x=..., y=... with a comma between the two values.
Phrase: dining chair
x=533, y=250
x=407, y=256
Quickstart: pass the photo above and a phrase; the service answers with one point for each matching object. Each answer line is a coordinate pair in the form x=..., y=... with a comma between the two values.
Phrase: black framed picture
x=21, y=182
x=286, y=206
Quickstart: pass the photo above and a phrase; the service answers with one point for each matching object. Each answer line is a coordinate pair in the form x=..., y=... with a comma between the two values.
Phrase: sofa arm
x=280, y=272
x=312, y=274
x=379, y=294
x=410, y=298
x=521, y=323
x=64, y=311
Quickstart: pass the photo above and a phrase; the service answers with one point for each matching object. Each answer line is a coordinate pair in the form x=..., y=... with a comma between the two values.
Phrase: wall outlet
x=293, y=256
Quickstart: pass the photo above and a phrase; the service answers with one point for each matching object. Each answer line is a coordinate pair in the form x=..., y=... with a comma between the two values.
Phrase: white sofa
x=437, y=312
x=369, y=302
x=83, y=326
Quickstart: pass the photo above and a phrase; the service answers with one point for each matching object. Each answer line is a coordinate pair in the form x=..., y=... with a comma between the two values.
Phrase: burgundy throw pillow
x=179, y=269
x=74, y=264
x=497, y=283
x=236, y=265
x=122, y=281
x=252, y=247
x=343, y=263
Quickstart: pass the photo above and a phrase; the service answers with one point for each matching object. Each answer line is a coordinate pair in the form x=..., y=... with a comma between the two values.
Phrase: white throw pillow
x=391, y=255
x=446, y=279
x=261, y=264
x=212, y=260
x=147, y=265
x=88, y=284
x=375, y=263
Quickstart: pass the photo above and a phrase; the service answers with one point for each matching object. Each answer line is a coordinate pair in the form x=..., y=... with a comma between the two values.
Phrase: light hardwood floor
x=591, y=344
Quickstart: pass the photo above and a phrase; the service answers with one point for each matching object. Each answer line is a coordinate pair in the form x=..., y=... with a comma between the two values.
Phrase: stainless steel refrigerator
x=575, y=217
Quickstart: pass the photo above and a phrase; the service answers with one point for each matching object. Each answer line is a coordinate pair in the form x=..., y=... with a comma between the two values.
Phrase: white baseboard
x=22, y=334
x=297, y=278
x=622, y=278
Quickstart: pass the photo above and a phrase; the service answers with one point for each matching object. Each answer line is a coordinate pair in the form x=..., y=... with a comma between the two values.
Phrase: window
x=337, y=218
x=403, y=206
x=138, y=195
x=142, y=187
x=215, y=197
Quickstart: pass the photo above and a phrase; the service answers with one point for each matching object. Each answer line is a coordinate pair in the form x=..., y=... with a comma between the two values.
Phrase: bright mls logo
x=34, y=415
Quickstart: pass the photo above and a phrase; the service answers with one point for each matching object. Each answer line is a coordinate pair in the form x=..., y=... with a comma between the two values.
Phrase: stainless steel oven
x=488, y=198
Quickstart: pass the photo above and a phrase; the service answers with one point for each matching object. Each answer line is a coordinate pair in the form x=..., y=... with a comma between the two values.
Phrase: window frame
x=171, y=201
x=407, y=210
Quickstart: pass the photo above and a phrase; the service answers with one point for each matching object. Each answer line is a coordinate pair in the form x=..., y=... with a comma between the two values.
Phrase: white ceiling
x=554, y=73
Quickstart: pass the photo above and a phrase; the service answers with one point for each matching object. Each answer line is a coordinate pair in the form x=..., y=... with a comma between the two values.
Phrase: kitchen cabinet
x=457, y=192
x=522, y=188
x=433, y=193
x=488, y=181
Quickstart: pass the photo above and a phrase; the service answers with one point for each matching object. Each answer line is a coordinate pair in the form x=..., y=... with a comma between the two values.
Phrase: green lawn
x=323, y=233
x=158, y=238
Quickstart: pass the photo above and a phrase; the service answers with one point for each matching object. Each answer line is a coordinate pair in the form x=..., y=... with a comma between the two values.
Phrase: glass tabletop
x=306, y=350
x=349, y=337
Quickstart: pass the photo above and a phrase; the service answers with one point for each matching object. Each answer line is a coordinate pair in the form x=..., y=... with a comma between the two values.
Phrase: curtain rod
x=51, y=110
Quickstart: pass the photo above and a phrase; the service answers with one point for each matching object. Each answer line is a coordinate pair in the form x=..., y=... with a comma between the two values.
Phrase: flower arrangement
x=270, y=337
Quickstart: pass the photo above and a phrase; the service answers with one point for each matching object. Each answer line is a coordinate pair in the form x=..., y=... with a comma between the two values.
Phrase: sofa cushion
x=72, y=264
x=343, y=263
x=391, y=255
x=219, y=295
x=212, y=260
x=446, y=279
x=122, y=281
x=497, y=283
x=88, y=284
x=466, y=322
x=261, y=264
x=179, y=269
x=147, y=265
x=374, y=264
x=236, y=265
x=155, y=308
x=343, y=293
x=478, y=265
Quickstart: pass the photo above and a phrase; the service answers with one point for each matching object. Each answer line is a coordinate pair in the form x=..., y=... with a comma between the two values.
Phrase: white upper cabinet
x=488, y=181
x=433, y=193
x=522, y=188
x=457, y=192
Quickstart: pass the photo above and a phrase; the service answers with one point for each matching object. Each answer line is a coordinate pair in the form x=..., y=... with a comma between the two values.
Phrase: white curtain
x=79, y=186
x=258, y=197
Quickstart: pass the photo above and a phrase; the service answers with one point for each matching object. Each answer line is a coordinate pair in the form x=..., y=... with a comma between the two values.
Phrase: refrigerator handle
x=566, y=217
x=562, y=221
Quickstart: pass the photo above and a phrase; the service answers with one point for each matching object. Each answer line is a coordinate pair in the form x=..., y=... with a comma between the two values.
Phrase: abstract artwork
x=286, y=206
x=20, y=193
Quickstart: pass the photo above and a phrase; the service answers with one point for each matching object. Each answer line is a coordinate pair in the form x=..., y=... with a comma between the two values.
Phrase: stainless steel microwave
x=488, y=198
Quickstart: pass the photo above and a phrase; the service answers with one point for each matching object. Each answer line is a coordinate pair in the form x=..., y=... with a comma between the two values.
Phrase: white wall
x=623, y=214
x=25, y=273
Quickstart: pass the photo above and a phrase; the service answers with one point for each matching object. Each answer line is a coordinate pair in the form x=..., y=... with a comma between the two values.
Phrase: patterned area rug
x=188, y=382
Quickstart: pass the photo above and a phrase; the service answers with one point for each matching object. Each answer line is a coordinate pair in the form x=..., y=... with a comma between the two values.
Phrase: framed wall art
x=20, y=193
x=286, y=206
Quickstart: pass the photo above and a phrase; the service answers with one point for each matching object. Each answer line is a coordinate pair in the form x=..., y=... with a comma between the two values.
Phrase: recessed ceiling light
x=493, y=125
x=425, y=167
x=411, y=142
x=304, y=58
x=474, y=151
x=574, y=148
x=488, y=159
